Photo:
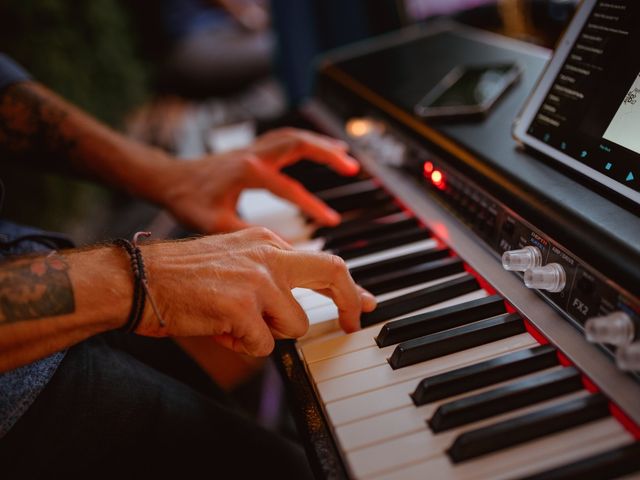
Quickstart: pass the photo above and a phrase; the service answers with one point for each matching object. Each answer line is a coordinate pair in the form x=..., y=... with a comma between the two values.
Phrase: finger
x=319, y=271
x=324, y=151
x=284, y=316
x=253, y=337
x=369, y=302
x=289, y=189
x=231, y=223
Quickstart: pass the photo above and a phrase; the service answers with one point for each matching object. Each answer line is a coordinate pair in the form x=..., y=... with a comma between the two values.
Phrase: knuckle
x=262, y=234
x=338, y=265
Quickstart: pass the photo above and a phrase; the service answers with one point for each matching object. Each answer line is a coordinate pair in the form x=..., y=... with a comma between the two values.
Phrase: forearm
x=37, y=125
x=49, y=303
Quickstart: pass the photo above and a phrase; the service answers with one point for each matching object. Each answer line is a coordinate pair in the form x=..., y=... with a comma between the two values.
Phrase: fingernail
x=369, y=302
x=354, y=166
x=333, y=217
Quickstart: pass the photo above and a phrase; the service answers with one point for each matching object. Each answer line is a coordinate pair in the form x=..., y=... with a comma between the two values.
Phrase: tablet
x=585, y=109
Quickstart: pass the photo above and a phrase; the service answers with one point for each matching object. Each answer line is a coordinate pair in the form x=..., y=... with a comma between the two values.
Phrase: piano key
x=403, y=261
x=609, y=464
x=261, y=207
x=334, y=347
x=394, y=307
x=485, y=373
x=426, y=324
x=326, y=310
x=323, y=318
x=396, y=222
x=382, y=242
x=365, y=199
x=411, y=275
x=317, y=178
x=352, y=188
x=398, y=422
x=553, y=450
x=535, y=425
x=412, y=247
x=356, y=220
x=515, y=395
x=456, y=339
x=377, y=402
x=417, y=445
x=382, y=376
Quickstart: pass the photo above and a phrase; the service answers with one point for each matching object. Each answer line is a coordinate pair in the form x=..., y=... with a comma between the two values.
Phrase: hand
x=237, y=287
x=202, y=194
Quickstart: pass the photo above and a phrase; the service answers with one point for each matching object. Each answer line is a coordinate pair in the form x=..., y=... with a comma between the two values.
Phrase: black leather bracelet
x=139, y=279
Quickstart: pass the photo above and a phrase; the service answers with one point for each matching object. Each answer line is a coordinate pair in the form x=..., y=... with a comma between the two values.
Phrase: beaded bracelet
x=140, y=287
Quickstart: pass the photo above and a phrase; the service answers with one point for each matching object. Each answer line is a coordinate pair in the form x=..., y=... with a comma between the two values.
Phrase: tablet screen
x=590, y=109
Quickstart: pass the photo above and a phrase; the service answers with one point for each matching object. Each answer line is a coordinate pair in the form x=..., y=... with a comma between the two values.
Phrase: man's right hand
x=237, y=288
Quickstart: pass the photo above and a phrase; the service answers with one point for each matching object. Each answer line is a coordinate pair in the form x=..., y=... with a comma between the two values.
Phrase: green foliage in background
x=84, y=50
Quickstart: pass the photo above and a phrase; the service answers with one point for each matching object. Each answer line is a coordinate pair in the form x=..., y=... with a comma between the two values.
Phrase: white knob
x=551, y=277
x=522, y=260
x=616, y=328
x=628, y=357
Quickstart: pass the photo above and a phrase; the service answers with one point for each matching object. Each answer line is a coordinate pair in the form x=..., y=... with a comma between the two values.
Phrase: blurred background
x=175, y=73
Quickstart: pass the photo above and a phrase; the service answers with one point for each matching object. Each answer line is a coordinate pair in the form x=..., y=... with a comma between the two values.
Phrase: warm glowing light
x=437, y=178
x=428, y=168
x=359, y=127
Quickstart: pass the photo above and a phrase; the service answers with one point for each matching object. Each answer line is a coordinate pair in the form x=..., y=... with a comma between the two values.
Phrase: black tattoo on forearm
x=35, y=288
x=31, y=125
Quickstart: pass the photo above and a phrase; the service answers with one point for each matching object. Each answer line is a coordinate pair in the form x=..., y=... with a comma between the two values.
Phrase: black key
x=419, y=299
x=383, y=242
x=538, y=388
x=485, y=373
x=382, y=226
x=316, y=177
x=456, y=339
x=515, y=431
x=439, y=320
x=398, y=263
x=363, y=218
x=604, y=466
x=413, y=275
x=360, y=200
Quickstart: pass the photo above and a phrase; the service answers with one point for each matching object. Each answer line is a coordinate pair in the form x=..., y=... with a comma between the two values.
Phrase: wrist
x=147, y=174
x=103, y=287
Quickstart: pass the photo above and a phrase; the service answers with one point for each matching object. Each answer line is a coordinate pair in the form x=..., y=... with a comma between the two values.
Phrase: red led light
x=437, y=178
x=428, y=168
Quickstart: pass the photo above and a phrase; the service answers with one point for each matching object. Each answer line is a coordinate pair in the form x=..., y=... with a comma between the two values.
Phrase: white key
x=365, y=338
x=403, y=421
x=261, y=207
x=377, y=402
x=418, y=246
x=538, y=455
x=313, y=300
x=383, y=375
x=424, y=444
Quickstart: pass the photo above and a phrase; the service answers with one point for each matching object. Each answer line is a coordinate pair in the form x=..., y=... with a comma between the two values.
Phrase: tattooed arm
x=36, y=124
x=48, y=303
x=235, y=287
